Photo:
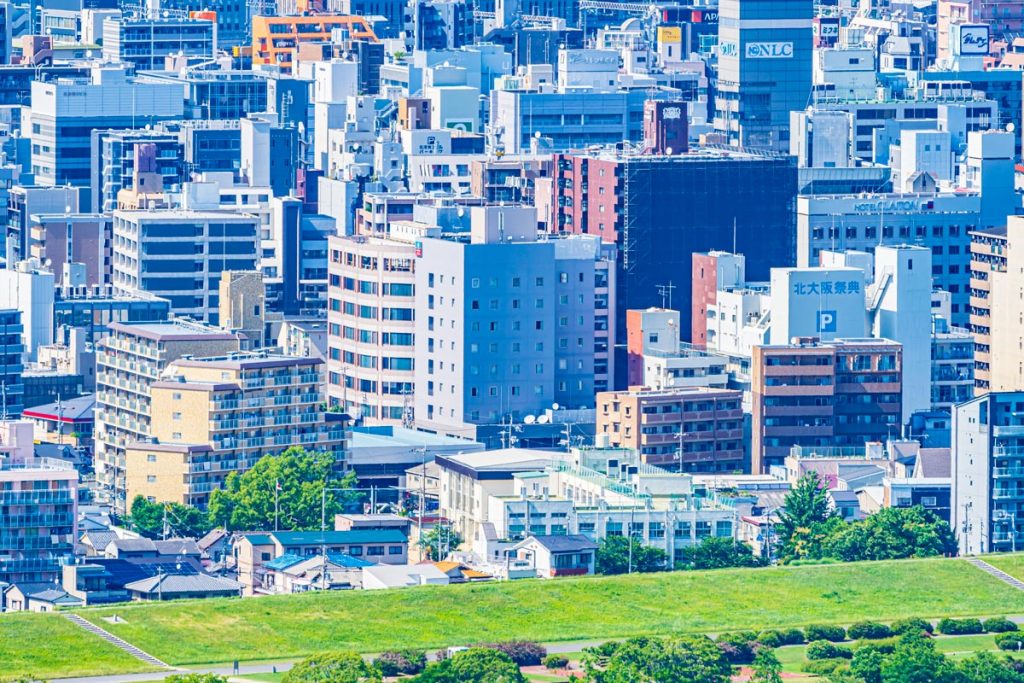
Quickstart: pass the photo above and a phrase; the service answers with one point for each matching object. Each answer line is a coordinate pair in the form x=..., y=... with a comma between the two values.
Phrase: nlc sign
x=769, y=50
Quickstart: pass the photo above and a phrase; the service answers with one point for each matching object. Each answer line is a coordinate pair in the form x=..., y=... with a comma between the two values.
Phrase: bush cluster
x=1012, y=641
x=912, y=625
x=398, y=662
x=868, y=630
x=780, y=637
x=960, y=627
x=556, y=662
x=522, y=652
x=999, y=625
x=823, y=649
x=835, y=634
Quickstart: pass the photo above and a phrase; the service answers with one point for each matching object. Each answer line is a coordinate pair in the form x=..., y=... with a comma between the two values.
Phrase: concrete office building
x=94, y=309
x=764, y=69
x=711, y=272
x=28, y=287
x=370, y=323
x=147, y=41
x=25, y=201
x=118, y=154
x=128, y=362
x=40, y=501
x=691, y=429
x=274, y=38
x=506, y=325
x=221, y=415
x=65, y=112
x=61, y=240
x=988, y=480
x=838, y=393
x=180, y=254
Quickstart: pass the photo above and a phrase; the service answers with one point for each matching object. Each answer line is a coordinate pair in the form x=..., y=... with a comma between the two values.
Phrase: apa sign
x=769, y=50
x=973, y=40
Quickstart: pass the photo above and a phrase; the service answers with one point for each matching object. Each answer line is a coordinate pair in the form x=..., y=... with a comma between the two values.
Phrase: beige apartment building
x=688, y=429
x=997, y=307
x=222, y=414
x=128, y=362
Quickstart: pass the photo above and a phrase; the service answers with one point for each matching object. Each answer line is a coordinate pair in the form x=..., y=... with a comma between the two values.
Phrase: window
x=151, y=458
x=395, y=550
x=151, y=479
x=374, y=550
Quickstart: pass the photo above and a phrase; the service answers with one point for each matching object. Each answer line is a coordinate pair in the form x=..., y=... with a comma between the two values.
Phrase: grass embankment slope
x=282, y=627
x=285, y=627
x=48, y=645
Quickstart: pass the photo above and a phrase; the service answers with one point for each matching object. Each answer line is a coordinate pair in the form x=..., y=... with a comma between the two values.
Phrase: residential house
x=563, y=555
x=379, y=577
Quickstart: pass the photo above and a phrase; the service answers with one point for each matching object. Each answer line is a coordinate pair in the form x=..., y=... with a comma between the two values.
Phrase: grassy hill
x=283, y=627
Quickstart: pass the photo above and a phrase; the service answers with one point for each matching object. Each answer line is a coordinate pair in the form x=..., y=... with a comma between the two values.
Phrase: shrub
x=397, y=662
x=792, y=636
x=739, y=648
x=868, y=630
x=960, y=627
x=911, y=625
x=825, y=667
x=999, y=625
x=835, y=634
x=885, y=646
x=522, y=652
x=770, y=639
x=1013, y=641
x=823, y=649
x=556, y=662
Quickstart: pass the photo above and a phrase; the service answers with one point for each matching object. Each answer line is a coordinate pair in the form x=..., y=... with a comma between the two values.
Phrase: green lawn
x=289, y=627
x=283, y=627
x=48, y=645
x=1011, y=564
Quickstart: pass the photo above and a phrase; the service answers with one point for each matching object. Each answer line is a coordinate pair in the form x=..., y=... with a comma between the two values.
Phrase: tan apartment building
x=687, y=429
x=128, y=362
x=997, y=307
x=844, y=392
x=221, y=415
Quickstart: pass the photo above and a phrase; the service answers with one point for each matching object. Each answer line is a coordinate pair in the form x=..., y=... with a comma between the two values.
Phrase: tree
x=985, y=667
x=475, y=665
x=613, y=556
x=806, y=518
x=716, y=552
x=866, y=664
x=182, y=520
x=766, y=667
x=333, y=667
x=914, y=660
x=247, y=499
x=440, y=541
x=687, y=659
x=892, y=534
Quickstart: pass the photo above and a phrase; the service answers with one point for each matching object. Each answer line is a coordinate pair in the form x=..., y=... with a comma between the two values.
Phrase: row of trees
x=809, y=528
x=621, y=555
x=280, y=491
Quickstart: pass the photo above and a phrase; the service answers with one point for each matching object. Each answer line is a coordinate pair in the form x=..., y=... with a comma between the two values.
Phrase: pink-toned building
x=81, y=237
x=1006, y=17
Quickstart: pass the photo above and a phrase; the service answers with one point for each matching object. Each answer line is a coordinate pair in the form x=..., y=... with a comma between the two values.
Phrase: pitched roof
x=212, y=537
x=71, y=410
x=562, y=543
x=258, y=539
x=183, y=583
x=934, y=463
x=177, y=546
x=133, y=545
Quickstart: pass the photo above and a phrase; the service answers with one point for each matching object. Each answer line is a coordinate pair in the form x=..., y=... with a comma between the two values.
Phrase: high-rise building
x=128, y=362
x=687, y=429
x=988, y=480
x=222, y=414
x=147, y=41
x=659, y=210
x=115, y=159
x=180, y=255
x=764, y=69
x=371, y=299
x=39, y=497
x=997, y=256
x=12, y=364
x=840, y=393
x=506, y=325
x=274, y=38
x=28, y=287
x=66, y=111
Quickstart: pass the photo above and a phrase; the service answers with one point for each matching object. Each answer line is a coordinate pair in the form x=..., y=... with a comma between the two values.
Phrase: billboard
x=768, y=50
x=971, y=39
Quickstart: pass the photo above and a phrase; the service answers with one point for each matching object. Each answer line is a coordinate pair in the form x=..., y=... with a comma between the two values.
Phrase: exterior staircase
x=998, y=573
x=115, y=641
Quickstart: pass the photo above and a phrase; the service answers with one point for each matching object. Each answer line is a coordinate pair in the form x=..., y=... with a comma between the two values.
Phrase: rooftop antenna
x=666, y=294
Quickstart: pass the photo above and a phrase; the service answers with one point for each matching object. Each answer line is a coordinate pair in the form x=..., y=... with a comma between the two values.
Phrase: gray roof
x=563, y=544
x=843, y=496
x=133, y=545
x=934, y=463
x=212, y=537
x=99, y=539
x=177, y=546
x=183, y=583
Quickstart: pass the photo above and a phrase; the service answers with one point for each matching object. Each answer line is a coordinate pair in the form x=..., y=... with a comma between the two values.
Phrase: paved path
x=998, y=573
x=115, y=641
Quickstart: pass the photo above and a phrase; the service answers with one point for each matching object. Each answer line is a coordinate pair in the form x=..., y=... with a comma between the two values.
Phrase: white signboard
x=973, y=40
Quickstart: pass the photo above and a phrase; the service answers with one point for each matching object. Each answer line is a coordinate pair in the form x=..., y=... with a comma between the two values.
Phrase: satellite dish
x=543, y=420
x=529, y=419
x=1010, y=128
x=555, y=406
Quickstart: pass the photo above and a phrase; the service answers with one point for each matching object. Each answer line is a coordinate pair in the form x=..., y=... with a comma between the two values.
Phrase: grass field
x=283, y=627
x=1011, y=564
x=290, y=627
x=50, y=645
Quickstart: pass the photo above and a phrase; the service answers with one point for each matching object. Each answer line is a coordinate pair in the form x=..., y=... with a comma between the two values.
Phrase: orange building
x=274, y=38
